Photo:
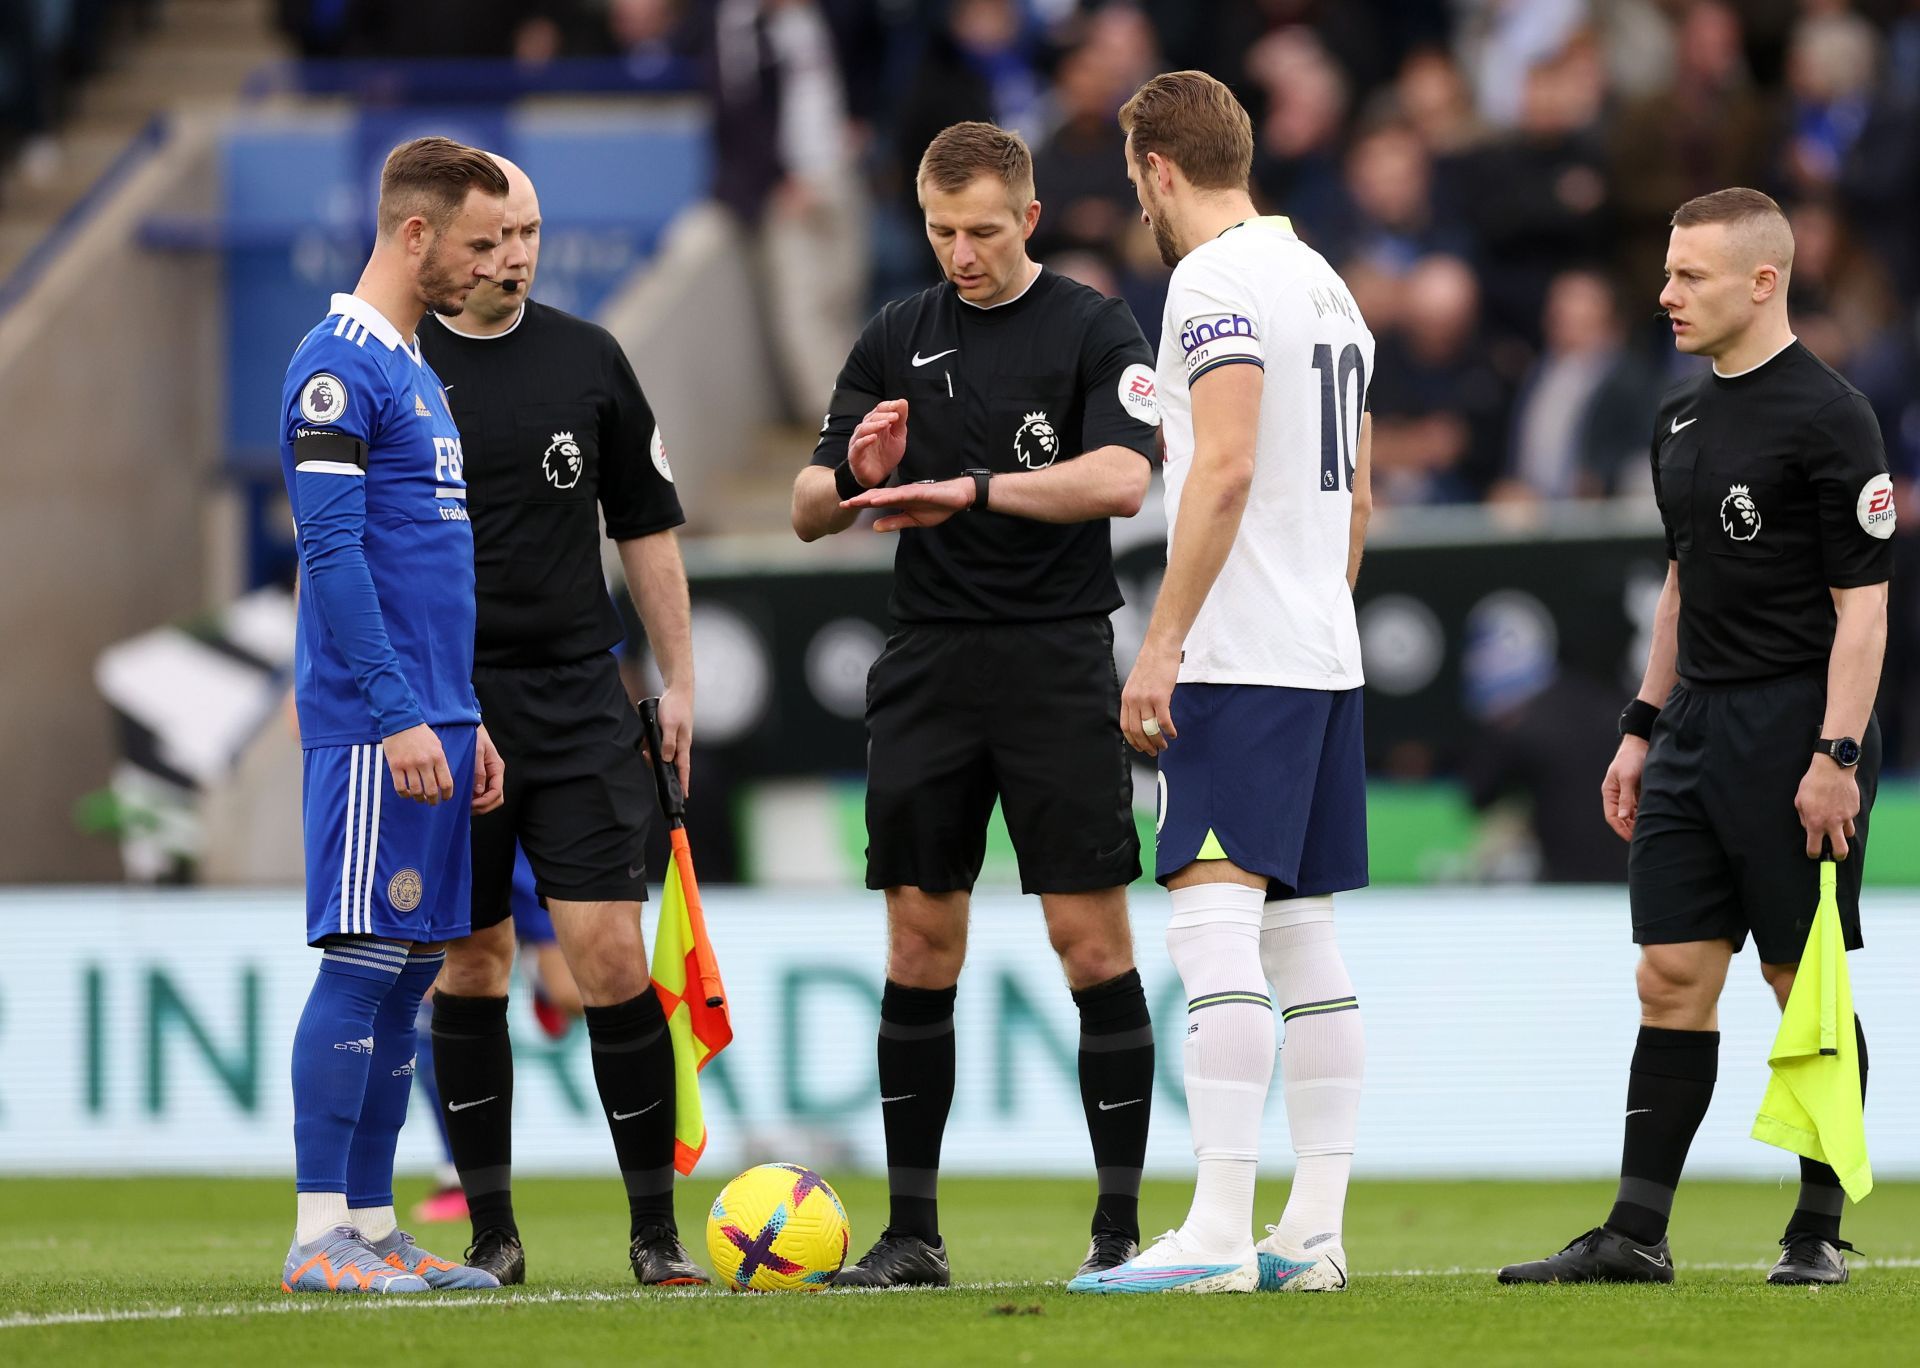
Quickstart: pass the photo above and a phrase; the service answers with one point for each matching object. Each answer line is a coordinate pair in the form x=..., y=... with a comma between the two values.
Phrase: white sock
x=1214, y=939
x=1320, y=1065
x=374, y=1223
x=316, y=1213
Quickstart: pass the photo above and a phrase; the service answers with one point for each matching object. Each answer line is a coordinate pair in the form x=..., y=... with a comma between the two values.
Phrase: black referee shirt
x=552, y=423
x=1773, y=487
x=1056, y=373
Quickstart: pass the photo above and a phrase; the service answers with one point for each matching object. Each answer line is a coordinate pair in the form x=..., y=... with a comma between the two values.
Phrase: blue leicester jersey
x=372, y=462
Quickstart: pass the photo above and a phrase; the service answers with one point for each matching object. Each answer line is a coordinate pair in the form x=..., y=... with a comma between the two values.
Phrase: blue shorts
x=379, y=864
x=530, y=920
x=1273, y=779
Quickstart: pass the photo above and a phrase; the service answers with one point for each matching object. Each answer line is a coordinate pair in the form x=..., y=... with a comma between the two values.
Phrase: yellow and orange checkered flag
x=685, y=974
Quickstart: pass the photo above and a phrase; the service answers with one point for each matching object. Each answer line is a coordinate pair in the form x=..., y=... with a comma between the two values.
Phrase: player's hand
x=676, y=732
x=419, y=765
x=1149, y=697
x=927, y=504
x=489, y=774
x=879, y=444
x=1828, y=801
x=1620, y=790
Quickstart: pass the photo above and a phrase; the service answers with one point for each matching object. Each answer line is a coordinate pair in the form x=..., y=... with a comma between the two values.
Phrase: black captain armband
x=845, y=482
x=328, y=451
x=1637, y=719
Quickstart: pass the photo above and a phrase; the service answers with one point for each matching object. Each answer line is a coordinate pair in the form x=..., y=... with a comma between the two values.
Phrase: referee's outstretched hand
x=879, y=444
x=1620, y=790
x=419, y=765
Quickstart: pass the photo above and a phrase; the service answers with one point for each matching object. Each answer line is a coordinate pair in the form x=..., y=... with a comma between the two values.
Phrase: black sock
x=473, y=1062
x=916, y=1092
x=633, y=1068
x=1668, y=1090
x=1116, y=1090
x=1822, y=1199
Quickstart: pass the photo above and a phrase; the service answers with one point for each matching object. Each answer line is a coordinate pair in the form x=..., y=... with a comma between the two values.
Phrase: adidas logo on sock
x=406, y=1069
x=361, y=1046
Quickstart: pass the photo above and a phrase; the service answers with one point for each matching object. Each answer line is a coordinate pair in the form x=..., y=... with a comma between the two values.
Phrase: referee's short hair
x=1193, y=121
x=431, y=177
x=1751, y=214
x=960, y=152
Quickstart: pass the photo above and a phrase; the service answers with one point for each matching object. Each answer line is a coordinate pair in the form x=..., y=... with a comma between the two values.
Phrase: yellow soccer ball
x=777, y=1228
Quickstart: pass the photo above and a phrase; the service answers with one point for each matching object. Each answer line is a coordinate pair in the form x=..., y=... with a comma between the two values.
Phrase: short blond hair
x=961, y=152
x=1193, y=121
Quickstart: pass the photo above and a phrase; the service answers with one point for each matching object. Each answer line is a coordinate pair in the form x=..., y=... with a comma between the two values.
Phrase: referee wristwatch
x=980, y=476
x=1843, y=751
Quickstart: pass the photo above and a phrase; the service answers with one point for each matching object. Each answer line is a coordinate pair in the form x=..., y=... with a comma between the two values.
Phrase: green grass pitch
x=153, y=1271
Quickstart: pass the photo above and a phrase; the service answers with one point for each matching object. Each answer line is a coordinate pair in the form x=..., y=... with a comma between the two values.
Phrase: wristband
x=1637, y=719
x=981, y=477
x=845, y=482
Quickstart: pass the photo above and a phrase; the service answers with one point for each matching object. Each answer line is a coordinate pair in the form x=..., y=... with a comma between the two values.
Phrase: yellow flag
x=687, y=980
x=1813, y=1104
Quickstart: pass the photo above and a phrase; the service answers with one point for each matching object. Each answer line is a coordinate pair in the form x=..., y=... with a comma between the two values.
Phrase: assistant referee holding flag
x=557, y=432
x=1752, y=744
x=1033, y=422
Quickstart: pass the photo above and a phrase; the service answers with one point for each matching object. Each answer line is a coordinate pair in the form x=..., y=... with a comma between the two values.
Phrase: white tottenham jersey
x=1280, y=613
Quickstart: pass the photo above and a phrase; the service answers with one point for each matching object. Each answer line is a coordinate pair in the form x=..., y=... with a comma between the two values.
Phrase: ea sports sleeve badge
x=1814, y=1105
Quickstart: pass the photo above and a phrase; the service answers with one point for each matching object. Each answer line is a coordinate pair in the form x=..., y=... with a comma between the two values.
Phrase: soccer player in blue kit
x=383, y=671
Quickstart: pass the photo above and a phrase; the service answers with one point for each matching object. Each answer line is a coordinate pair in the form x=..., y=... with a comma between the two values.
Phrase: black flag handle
x=666, y=778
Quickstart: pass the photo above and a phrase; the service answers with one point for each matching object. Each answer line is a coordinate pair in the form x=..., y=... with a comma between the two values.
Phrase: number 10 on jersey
x=1339, y=419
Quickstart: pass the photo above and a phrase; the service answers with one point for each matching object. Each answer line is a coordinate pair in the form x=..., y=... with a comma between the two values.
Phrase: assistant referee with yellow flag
x=1751, y=746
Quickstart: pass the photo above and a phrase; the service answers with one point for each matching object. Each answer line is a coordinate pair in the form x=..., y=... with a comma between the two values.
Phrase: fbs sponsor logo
x=1198, y=332
x=364, y=1045
x=1875, y=508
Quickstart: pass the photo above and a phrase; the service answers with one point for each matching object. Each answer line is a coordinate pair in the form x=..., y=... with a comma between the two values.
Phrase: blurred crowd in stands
x=47, y=48
x=1493, y=177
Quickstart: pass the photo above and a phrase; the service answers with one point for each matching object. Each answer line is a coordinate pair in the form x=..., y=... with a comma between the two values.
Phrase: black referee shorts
x=958, y=715
x=1718, y=850
x=578, y=793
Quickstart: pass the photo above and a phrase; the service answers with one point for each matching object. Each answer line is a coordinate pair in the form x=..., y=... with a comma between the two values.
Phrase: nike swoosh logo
x=628, y=1116
x=462, y=1106
x=1660, y=1262
x=1641, y=1111
x=1116, y=1106
x=635, y=871
x=920, y=360
x=1677, y=424
x=901, y=1098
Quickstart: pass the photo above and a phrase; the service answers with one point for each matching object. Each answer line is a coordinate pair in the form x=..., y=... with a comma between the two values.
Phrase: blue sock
x=333, y=1047
x=389, y=1083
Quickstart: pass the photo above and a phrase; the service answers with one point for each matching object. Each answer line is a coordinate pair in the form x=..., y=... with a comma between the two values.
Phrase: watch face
x=1847, y=751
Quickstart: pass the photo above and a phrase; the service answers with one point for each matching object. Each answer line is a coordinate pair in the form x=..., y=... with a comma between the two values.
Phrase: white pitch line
x=305, y=1305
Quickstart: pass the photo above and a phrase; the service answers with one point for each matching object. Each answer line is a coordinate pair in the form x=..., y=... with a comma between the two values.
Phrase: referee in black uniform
x=1033, y=422
x=1752, y=743
x=555, y=431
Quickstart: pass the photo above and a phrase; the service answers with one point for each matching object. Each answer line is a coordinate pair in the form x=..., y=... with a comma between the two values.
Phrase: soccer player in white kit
x=1247, y=688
